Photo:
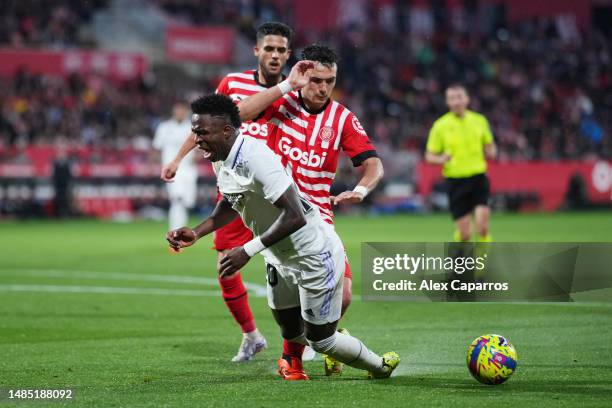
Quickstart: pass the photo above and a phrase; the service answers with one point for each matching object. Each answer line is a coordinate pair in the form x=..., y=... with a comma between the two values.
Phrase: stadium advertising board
x=202, y=44
x=549, y=181
x=121, y=66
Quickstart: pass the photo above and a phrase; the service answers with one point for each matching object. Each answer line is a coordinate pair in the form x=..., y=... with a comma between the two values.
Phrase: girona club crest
x=326, y=134
x=357, y=126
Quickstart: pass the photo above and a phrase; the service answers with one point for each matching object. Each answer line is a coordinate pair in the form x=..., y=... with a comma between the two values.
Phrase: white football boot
x=252, y=343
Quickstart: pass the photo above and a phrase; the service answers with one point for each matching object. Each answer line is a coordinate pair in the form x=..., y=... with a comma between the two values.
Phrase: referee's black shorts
x=465, y=193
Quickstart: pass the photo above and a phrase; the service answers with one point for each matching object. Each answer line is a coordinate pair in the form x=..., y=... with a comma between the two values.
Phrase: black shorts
x=464, y=194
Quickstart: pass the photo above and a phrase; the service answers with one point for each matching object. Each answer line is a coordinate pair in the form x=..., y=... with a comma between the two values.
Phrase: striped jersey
x=239, y=86
x=309, y=144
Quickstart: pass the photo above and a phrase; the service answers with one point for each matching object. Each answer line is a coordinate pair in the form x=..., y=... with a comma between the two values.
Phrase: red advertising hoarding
x=548, y=180
x=213, y=45
x=120, y=66
x=109, y=170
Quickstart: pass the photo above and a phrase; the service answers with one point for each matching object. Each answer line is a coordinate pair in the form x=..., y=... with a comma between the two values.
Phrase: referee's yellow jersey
x=464, y=140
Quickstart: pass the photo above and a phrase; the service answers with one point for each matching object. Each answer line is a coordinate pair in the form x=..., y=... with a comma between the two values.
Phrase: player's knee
x=177, y=202
x=220, y=256
x=347, y=294
x=219, y=271
x=323, y=346
x=346, y=302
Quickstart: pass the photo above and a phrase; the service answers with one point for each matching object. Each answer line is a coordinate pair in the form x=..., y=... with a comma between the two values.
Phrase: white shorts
x=312, y=282
x=184, y=188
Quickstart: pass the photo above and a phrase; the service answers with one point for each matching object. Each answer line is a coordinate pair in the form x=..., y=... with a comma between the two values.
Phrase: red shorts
x=232, y=235
x=347, y=269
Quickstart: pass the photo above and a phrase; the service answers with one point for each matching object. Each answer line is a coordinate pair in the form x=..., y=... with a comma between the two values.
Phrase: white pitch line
x=256, y=289
x=107, y=290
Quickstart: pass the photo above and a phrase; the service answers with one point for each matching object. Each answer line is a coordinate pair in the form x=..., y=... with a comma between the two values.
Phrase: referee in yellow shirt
x=460, y=140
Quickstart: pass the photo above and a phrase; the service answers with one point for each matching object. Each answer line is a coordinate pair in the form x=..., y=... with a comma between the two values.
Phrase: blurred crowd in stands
x=544, y=84
x=46, y=23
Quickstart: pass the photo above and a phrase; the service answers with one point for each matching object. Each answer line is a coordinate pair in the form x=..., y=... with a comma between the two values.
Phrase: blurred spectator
x=62, y=182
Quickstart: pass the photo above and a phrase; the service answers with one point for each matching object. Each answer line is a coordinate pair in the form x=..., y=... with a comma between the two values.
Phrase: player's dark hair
x=217, y=105
x=274, y=28
x=457, y=85
x=320, y=53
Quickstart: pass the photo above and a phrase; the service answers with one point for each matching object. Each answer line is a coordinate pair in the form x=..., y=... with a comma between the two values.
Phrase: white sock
x=350, y=351
x=177, y=215
x=255, y=334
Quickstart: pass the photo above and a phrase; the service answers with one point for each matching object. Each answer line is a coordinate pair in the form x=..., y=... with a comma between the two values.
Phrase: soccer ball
x=491, y=359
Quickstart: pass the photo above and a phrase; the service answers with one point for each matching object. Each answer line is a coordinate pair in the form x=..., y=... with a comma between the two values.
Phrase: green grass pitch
x=104, y=309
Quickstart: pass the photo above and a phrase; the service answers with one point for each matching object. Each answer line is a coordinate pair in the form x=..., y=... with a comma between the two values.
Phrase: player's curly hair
x=217, y=105
x=320, y=53
x=274, y=28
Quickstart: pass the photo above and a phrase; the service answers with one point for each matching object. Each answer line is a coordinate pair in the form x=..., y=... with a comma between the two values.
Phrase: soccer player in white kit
x=169, y=137
x=305, y=256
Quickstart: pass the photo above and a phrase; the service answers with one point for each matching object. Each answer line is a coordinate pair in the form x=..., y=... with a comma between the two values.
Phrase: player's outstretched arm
x=169, y=169
x=289, y=220
x=372, y=174
x=184, y=237
x=252, y=106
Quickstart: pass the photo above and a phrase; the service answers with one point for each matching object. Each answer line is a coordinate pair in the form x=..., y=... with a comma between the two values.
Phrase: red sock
x=291, y=349
x=237, y=301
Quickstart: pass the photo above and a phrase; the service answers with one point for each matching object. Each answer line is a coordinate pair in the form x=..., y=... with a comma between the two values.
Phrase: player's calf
x=348, y=350
x=236, y=299
x=292, y=329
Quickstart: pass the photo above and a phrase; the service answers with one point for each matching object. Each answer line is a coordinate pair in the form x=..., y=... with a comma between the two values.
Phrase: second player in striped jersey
x=310, y=141
x=308, y=130
x=241, y=85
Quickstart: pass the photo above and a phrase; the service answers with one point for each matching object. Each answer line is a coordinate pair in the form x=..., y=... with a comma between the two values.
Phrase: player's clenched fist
x=168, y=172
x=181, y=238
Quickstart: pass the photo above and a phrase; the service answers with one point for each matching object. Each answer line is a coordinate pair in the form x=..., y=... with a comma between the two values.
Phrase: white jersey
x=252, y=178
x=169, y=137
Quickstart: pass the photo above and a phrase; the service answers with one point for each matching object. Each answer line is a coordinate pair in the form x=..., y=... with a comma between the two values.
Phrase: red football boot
x=291, y=369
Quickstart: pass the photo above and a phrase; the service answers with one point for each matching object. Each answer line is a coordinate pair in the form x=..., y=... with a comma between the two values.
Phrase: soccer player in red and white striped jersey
x=308, y=130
